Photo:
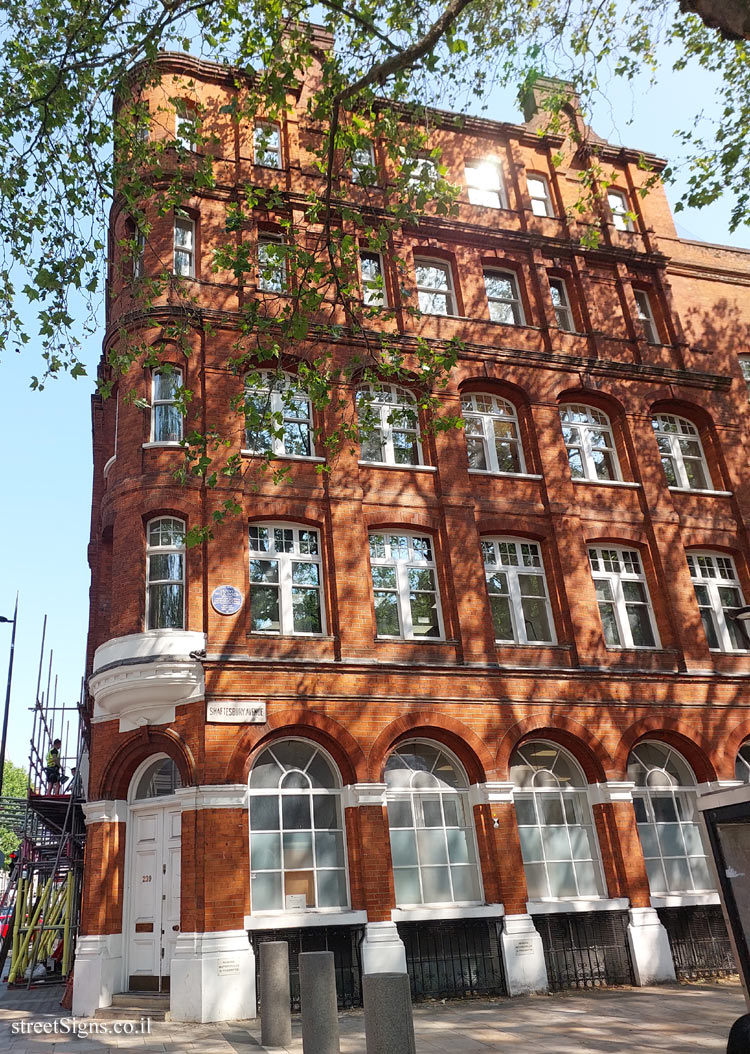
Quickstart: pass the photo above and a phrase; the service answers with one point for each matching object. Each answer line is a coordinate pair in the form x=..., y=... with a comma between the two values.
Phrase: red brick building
x=446, y=708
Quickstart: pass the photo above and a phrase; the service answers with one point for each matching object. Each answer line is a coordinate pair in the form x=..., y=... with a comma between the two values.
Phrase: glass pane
x=669, y=472
x=649, y=839
x=535, y=618
x=424, y=615
x=460, y=846
x=692, y=836
x=656, y=880
x=701, y=875
x=678, y=875
x=433, y=303
x=432, y=848
x=265, y=852
x=436, y=885
x=502, y=312
x=604, y=464
x=525, y=812
x=508, y=458
x=536, y=881
x=609, y=624
x=264, y=813
x=556, y=845
x=399, y=814
x=562, y=880
x=501, y=618
x=465, y=883
x=265, y=892
x=406, y=882
x=588, y=880
x=264, y=571
x=403, y=848
x=329, y=849
x=264, y=608
x=421, y=578
x=477, y=456
x=576, y=464
x=332, y=889
x=295, y=812
x=550, y=811
x=325, y=811
x=640, y=626
x=298, y=850
x=386, y=615
x=405, y=448
x=580, y=842
x=670, y=839
x=709, y=627
x=163, y=567
x=531, y=844
x=167, y=424
x=431, y=812
x=297, y=439
x=664, y=808
x=165, y=607
x=306, y=611
x=453, y=810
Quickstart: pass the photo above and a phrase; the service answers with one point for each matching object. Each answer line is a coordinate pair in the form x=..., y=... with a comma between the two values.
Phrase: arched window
x=664, y=801
x=162, y=777
x=165, y=574
x=681, y=452
x=742, y=764
x=433, y=844
x=285, y=579
x=719, y=597
x=492, y=438
x=388, y=426
x=590, y=443
x=517, y=587
x=166, y=419
x=297, y=849
x=560, y=850
x=278, y=416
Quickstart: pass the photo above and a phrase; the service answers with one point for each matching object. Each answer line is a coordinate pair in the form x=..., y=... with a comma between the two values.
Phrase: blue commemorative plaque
x=227, y=600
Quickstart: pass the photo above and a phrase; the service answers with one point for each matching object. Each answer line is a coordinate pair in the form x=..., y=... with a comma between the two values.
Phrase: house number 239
x=146, y=878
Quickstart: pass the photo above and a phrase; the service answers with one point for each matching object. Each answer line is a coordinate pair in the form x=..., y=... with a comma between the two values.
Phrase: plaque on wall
x=226, y=600
x=235, y=712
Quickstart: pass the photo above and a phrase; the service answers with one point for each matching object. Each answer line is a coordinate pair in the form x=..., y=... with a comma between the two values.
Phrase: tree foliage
x=63, y=65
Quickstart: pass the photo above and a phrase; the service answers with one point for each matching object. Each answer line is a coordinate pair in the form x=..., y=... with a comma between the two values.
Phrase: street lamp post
x=3, y=741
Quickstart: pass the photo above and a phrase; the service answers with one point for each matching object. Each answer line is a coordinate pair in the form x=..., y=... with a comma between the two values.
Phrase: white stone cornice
x=356, y=794
x=711, y=786
x=105, y=811
x=212, y=796
x=495, y=792
x=612, y=791
x=141, y=678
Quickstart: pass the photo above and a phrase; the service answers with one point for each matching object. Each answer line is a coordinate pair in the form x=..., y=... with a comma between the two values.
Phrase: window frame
x=429, y=262
x=744, y=362
x=157, y=403
x=515, y=301
x=258, y=127
x=190, y=116
x=402, y=588
x=284, y=583
x=488, y=438
x=617, y=598
x=564, y=308
x=676, y=455
x=265, y=239
x=498, y=190
x=280, y=793
x=621, y=221
x=716, y=610
x=162, y=550
x=417, y=796
x=186, y=223
x=373, y=295
x=578, y=793
x=545, y=198
x=516, y=598
x=359, y=165
x=276, y=394
x=385, y=428
x=645, y=316
x=585, y=447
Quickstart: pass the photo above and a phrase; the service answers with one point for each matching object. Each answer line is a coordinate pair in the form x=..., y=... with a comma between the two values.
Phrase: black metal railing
x=343, y=941
x=586, y=950
x=453, y=960
x=699, y=942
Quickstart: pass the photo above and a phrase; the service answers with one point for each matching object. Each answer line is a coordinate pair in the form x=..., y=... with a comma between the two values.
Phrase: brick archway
x=115, y=782
x=688, y=743
x=586, y=748
x=471, y=751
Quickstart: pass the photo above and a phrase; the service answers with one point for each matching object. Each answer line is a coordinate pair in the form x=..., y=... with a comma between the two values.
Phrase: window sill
x=730, y=651
x=425, y=913
x=609, y=483
x=504, y=475
x=684, y=900
x=398, y=468
x=414, y=640
x=529, y=646
x=292, y=920
x=695, y=490
x=167, y=444
x=260, y=634
x=576, y=904
x=285, y=457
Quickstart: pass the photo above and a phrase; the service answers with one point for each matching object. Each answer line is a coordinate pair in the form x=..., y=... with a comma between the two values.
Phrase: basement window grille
x=586, y=950
x=343, y=941
x=699, y=942
x=453, y=960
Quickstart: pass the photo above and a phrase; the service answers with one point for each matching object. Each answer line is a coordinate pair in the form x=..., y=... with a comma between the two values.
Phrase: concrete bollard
x=275, y=1000
x=389, y=1026
x=317, y=993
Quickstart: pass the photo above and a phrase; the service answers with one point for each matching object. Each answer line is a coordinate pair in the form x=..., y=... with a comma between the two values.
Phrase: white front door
x=153, y=890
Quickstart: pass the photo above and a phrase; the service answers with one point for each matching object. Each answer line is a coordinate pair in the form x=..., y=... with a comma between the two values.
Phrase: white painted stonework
x=213, y=796
x=105, y=811
x=213, y=977
x=141, y=678
x=98, y=972
x=649, y=947
x=382, y=949
x=356, y=794
x=523, y=956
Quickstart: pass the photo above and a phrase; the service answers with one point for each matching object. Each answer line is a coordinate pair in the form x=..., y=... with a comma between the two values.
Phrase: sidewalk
x=674, y=1019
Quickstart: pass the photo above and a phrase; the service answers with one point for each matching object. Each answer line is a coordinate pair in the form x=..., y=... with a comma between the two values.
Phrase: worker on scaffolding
x=54, y=772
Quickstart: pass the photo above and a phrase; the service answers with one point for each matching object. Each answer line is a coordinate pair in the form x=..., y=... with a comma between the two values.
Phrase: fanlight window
x=162, y=777
x=297, y=850
x=433, y=845
x=664, y=802
x=555, y=823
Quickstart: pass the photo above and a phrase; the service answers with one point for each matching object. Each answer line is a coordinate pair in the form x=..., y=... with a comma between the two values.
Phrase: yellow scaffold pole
x=24, y=947
x=68, y=920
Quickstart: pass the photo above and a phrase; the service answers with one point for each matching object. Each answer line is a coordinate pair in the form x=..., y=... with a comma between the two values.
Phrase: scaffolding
x=39, y=908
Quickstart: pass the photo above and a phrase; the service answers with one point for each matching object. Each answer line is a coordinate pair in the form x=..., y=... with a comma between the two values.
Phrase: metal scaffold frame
x=40, y=906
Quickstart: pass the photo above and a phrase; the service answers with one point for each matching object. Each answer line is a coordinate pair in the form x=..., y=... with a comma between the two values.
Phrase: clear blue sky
x=46, y=460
